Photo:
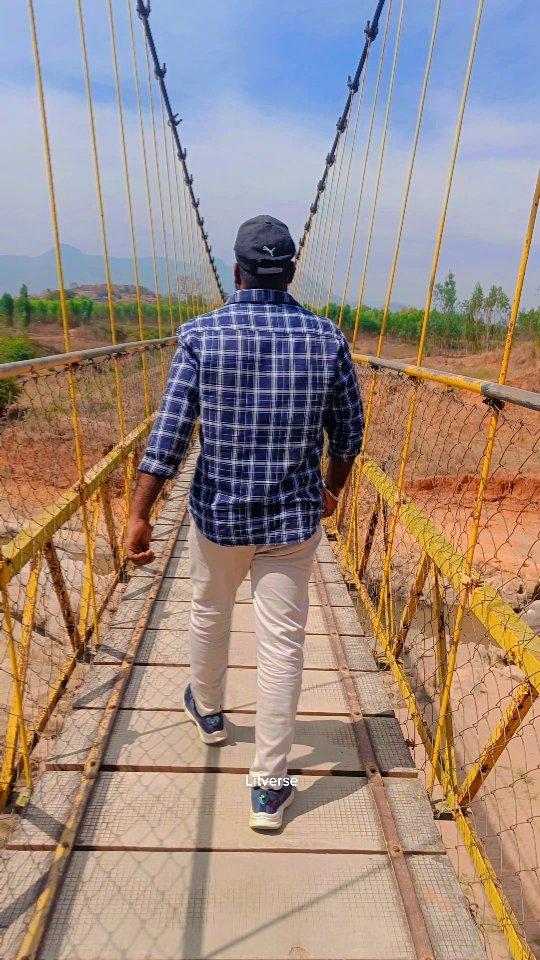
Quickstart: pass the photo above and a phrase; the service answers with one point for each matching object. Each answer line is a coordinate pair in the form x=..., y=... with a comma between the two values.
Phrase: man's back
x=265, y=377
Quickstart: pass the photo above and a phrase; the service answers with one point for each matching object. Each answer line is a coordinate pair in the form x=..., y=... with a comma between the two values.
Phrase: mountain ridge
x=39, y=272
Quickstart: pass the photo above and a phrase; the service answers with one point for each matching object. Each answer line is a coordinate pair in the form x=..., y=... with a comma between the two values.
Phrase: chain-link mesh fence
x=460, y=637
x=71, y=438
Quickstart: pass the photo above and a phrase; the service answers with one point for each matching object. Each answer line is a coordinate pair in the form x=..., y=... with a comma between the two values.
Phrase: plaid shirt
x=266, y=378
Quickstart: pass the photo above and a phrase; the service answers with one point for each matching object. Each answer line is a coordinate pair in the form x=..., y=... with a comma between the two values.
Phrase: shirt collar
x=262, y=296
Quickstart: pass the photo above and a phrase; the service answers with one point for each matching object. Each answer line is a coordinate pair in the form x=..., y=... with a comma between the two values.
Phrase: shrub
x=11, y=350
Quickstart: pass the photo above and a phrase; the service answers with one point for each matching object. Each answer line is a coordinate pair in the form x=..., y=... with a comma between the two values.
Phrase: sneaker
x=211, y=729
x=267, y=807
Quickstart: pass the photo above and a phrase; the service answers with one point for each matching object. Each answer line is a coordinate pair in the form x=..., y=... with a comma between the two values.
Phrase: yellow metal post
x=17, y=692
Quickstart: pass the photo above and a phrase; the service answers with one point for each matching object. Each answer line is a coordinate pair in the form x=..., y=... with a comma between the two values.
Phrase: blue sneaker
x=211, y=729
x=267, y=807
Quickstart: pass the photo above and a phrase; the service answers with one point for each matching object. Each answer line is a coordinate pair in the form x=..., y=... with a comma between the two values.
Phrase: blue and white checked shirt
x=265, y=377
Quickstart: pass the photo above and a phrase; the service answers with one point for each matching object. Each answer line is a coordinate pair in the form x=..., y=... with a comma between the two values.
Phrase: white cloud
x=247, y=162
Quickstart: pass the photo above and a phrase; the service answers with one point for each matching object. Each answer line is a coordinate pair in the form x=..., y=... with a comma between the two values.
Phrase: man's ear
x=291, y=272
x=236, y=275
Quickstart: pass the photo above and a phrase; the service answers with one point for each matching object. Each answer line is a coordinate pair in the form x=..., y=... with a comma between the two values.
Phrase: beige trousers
x=279, y=587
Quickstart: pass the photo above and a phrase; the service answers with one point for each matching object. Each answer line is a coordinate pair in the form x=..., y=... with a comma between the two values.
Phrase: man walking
x=266, y=379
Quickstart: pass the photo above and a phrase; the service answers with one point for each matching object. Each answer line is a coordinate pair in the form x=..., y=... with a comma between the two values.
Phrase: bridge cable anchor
x=143, y=9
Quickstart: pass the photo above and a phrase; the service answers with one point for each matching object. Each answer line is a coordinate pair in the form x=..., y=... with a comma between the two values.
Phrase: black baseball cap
x=264, y=246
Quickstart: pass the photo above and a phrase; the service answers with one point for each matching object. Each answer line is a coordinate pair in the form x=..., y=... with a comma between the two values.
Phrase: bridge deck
x=164, y=864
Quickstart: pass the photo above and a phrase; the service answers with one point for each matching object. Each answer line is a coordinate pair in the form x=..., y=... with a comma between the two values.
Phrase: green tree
x=474, y=306
x=446, y=294
x=7, y=308
x=496, y=306
x=24, y=307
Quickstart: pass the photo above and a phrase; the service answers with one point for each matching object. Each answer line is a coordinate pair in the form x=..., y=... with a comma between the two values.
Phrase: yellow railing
x=70, y=440
x=457, y=626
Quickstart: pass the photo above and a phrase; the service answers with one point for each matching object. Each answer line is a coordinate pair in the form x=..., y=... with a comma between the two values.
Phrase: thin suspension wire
x=306, y=294
x=180, y=198
x=444, y=210
x=321, y=223
x=203, y=270
x=178, y=218
x=309, y=260
x=72, y=385
x=407, y=190
x=405, y=201
x=365, y=165
x=143, y=11
x=196, y=249
x=323, y=201
x=308, y=257
x=332, y=198
x=129, y=198
x=407, y=436
x=382, y=150
x=197, y=303
x=146, y=171
x=102, y=220
x=171, y=208
x=159, y=189
x=349, y=168
x=189, y=244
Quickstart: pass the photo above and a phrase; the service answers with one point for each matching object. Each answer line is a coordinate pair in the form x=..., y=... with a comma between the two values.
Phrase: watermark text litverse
x=272, y=783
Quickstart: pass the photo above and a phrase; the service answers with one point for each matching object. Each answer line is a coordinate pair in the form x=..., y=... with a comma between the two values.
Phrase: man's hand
x=337, y=472
x=329, y=503
x=139, y=529
x=137, y=542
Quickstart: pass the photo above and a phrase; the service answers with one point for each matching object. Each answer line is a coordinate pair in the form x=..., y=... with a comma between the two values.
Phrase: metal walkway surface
x=162, y=864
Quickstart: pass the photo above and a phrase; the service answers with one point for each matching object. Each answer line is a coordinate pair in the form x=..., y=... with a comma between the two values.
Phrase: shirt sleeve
x=169, y=439
x=344, y=420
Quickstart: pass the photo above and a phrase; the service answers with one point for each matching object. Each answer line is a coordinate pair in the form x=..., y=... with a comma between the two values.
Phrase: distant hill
x=82, y=269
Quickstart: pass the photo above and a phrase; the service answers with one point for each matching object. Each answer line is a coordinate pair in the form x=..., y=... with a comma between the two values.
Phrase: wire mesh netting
x=488, y=752
x=62, y=553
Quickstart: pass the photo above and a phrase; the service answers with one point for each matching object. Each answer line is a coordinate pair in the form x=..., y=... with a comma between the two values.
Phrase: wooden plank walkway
x=164, y=865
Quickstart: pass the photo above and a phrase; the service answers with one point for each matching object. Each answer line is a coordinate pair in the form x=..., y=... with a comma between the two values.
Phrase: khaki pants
x=279, y=586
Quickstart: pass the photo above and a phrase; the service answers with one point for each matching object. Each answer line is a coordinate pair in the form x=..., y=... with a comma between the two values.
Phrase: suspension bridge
x=416, y=829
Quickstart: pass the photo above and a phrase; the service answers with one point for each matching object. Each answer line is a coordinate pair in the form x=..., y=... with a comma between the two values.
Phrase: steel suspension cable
x=365, y=166
x=345, y=190
x=145, y=166
x=159, y=188
x=382, y=150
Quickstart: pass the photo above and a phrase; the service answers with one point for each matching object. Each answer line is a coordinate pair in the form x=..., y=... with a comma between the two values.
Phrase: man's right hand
x=137, y=542
x=329, y=503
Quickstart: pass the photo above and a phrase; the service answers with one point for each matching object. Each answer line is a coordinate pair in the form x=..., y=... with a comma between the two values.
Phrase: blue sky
x=260, y=86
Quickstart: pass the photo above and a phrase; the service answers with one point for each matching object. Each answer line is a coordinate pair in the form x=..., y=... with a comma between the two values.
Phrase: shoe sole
x=270, y=821
x=218, y=737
